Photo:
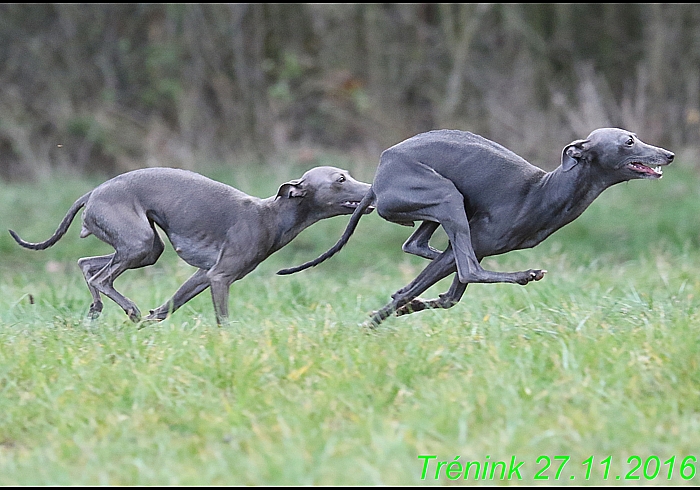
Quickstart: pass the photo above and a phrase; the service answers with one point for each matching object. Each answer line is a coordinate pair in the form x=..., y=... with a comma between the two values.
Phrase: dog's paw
x=368, y=325
x=151, y=319
x=371, y=324
x=537, y=275
x=95, y=310
x=531, y=275
x=412, y=306
x=156, y=315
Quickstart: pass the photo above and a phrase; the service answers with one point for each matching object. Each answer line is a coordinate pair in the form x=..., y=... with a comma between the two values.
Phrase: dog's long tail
x=352, y=224
x=62, y=228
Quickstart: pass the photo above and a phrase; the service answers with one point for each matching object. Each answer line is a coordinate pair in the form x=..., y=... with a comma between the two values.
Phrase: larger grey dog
x=222, y=231
x=489, y=201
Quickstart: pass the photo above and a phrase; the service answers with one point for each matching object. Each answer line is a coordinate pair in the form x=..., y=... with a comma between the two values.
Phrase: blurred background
x=102, y=89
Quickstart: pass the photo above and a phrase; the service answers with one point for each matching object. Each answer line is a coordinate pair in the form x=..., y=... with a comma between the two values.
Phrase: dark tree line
x=110, y=87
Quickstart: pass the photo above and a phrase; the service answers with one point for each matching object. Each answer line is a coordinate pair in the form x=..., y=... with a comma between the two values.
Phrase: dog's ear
x=293, y=188
x=572, y=153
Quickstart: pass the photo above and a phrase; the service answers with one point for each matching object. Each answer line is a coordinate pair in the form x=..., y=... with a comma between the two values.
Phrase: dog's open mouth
x=354, y=204
x=646, y=171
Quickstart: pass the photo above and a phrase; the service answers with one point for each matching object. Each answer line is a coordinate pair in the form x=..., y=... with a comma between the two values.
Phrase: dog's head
x=617, y=152
x=329, y=191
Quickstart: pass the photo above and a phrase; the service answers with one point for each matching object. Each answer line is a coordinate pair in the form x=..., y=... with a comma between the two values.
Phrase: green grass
x=601, y=358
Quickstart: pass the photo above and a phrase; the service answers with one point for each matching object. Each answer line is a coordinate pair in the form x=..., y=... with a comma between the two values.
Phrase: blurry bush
x=110, y=87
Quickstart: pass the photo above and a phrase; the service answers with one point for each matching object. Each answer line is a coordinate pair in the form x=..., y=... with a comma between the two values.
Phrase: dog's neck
x=290, y=216
x=565, y=194
x=556, y=199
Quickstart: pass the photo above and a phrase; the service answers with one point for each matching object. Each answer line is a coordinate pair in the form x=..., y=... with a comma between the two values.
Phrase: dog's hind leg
x=139, y=247
x=443, y=301
x=438, y=269
x=91, y=266
x=434, y=198
x=197, y=283
x=417, y=243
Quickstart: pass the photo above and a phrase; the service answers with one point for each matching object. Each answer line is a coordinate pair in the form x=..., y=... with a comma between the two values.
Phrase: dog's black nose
x=670, y=156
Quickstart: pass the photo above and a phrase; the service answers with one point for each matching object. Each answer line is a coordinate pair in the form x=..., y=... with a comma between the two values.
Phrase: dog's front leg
x=241, y=253
x=221, y=276
x=219, y=295
x=197, y=283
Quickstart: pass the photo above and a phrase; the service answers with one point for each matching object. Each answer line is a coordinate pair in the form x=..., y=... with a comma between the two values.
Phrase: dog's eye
x=630, y=142
x=341, y=179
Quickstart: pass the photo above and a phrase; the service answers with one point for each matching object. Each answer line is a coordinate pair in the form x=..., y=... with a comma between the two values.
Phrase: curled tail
x=352, y=224
x=62, y=228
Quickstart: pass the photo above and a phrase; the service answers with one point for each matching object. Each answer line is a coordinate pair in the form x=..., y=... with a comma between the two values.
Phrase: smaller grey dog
x=222, y=231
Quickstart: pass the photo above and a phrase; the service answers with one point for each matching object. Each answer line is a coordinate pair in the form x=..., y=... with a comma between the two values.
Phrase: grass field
x=596, y=367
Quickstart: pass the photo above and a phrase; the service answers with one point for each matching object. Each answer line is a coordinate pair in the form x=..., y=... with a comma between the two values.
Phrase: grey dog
x=222, y=231
x=489, y=201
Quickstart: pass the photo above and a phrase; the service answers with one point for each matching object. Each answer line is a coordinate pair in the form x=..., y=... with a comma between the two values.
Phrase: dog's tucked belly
x=198, y=251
